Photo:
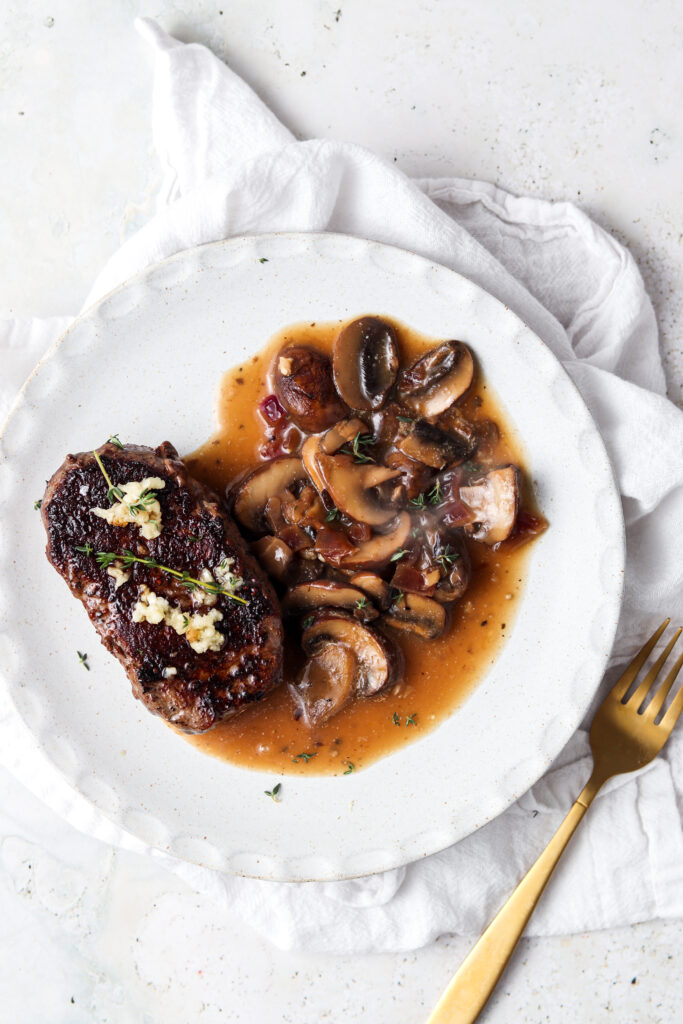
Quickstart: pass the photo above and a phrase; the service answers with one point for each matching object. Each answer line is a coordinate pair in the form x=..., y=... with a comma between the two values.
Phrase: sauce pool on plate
x=439, y=673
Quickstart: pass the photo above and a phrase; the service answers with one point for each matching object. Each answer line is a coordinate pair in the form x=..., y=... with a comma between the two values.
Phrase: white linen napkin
x=231, y=168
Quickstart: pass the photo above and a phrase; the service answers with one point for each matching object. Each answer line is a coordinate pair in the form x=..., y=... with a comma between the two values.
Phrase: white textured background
x=576, y=101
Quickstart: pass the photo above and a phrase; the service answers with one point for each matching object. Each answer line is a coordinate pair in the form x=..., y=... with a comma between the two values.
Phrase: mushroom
x=342, y=433
x=432, y=446
x=308, y=597
x=274, y=556
x=378, y=659
x=372, y=584
x=377, y=552
x=365, y=362
x=457, y=572
x=274, y=479
x=325, y=684
x=415, y=613
x=437, y=379
x=350, y=485
x=304, y=385
x=493, y=499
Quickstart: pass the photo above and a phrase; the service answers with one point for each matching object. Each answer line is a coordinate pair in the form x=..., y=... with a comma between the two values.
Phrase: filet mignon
x=194, y=655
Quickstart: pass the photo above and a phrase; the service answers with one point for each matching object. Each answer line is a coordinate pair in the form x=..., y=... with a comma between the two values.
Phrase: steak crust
x=196, y=534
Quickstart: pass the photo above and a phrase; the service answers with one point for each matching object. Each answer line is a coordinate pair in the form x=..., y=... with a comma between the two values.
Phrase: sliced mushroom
x=493, y=499
x=438, y=379
x=376, y=553
x=427, y=443
x=414, y=613
x=350, y=486
x=276, y=478
x=342, y=433
x=309, y=457
x=308, y=597
x=372, y=584
x=306, y=510
x=274, y=556
x=326, y=683
x=378, y=659
x=365, y=362
x=304, y=385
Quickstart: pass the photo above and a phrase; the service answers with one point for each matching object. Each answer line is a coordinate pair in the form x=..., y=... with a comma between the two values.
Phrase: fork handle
x=477, y=976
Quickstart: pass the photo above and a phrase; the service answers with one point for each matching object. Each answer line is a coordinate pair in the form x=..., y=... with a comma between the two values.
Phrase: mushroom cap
x=414, y=613
x=307, y=597
x=272, y=479
x=326, y=683
x=365, y=362
x=372, y=584
x=432, y=446
x=376, y=553
x=350, y=485
x=437, y=379
x=494, y=501
x=303, y=382
x=378, y=659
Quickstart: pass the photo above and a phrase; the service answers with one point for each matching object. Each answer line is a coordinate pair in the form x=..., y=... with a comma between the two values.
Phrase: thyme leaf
x=83, y=659
x=37, y=504
x=114, y=439
x=350, y=768
x=273, y=793
x=398, y=555
x=306, y=757
x=360, y=441
x=411, y=719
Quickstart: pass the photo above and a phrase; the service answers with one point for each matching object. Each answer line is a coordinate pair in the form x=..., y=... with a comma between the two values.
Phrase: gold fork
x=628, y=731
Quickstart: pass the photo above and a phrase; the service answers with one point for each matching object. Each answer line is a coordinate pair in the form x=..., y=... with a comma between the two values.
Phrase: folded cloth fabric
x=231, y=168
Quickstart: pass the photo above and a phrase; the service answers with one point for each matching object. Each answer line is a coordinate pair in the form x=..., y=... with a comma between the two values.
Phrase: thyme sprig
x=360, y=441
x=116, y=440
x=37, y=504
x=106, y=558
x=83, y=659
x=435, y=494
x=113, y=493
x=306, y=757
x=447, y=556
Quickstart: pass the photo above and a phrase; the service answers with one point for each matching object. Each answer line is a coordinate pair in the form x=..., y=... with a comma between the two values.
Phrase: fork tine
x=639, y=695
x=671, y=716
x=623, y=683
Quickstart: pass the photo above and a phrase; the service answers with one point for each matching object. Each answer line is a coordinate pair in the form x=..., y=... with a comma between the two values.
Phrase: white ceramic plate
x=146, y=362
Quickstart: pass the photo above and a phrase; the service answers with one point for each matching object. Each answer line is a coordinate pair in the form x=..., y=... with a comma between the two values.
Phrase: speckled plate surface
x=146, y=362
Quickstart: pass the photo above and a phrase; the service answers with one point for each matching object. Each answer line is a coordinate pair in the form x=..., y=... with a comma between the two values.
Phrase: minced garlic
x=199, y=630
x=137, y=507
x=118, y=574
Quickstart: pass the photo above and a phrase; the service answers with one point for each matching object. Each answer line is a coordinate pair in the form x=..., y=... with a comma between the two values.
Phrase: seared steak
x=193, y=654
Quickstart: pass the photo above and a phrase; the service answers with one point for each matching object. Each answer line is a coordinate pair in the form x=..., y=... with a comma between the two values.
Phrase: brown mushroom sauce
x=401, y=538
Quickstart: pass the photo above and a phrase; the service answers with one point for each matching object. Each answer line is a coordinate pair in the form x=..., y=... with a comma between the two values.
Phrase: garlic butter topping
x=199, y=630
x=118, y=574
x=138, y=505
